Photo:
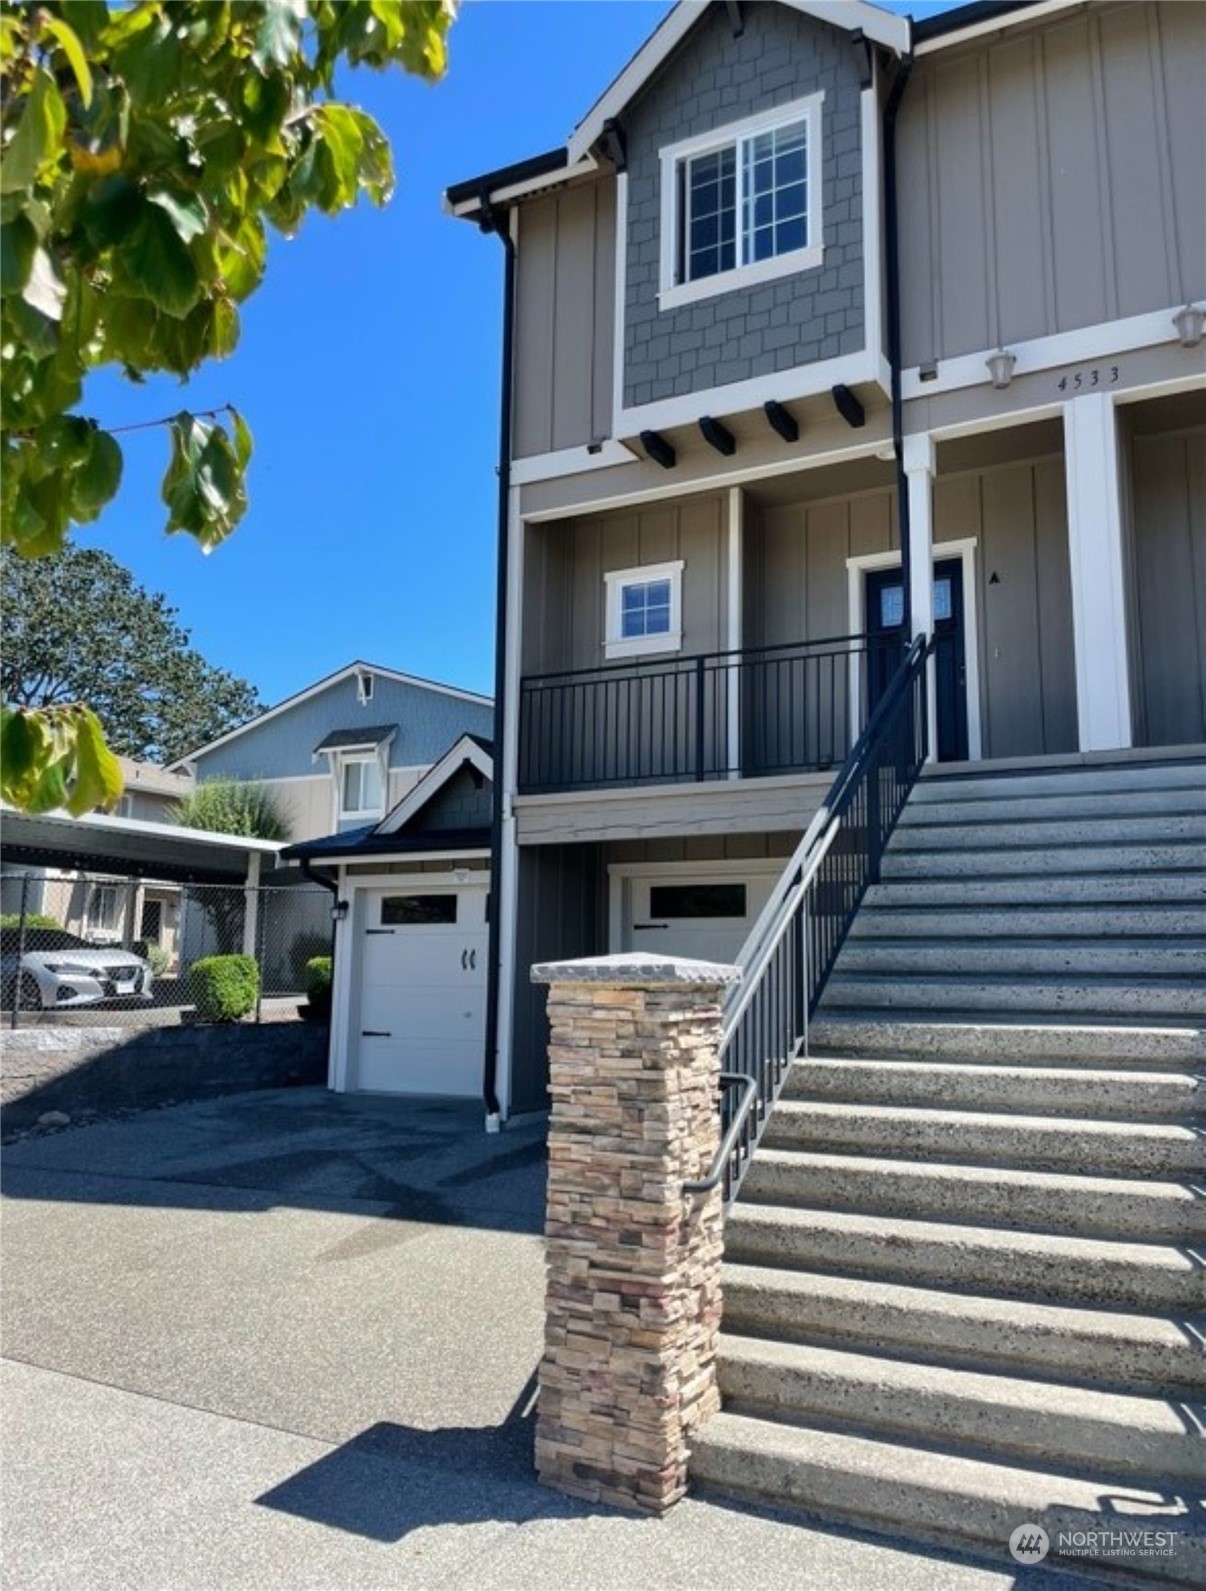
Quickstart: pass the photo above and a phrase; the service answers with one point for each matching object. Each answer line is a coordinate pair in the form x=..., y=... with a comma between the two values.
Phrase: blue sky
x=368, y=371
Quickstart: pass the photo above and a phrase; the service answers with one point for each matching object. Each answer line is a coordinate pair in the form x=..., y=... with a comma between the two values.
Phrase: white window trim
x=671, y=293
x=342, y=763
x=95, y=921
x=617, y=645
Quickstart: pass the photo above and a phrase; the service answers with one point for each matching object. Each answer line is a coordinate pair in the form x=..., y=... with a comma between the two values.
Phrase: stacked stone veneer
x=633, y=1302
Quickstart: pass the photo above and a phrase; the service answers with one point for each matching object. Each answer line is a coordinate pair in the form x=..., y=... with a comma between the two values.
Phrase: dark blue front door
x=885, y=625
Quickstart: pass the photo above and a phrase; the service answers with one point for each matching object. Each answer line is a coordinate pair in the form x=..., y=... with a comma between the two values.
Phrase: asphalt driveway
x=287, y=1340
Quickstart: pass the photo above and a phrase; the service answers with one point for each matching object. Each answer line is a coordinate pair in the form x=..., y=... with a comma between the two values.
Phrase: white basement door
x=708, y=917
x=422, y=1020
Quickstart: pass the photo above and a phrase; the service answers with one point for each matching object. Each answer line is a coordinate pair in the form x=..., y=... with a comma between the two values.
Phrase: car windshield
x=41, y=939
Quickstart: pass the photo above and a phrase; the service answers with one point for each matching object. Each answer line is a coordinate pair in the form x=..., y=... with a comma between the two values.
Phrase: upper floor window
x=361, y=794
x=644, y=609
x=742, y=205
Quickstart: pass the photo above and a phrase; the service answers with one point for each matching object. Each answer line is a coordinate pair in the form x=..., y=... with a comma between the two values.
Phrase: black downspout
x=331, y=884
x=499, y=224
x=892, y=271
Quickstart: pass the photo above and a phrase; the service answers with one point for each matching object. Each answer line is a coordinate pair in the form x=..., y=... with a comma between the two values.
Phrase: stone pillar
x=633, y=1302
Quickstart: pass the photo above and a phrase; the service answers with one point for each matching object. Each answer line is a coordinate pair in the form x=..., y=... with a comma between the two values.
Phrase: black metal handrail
x=710, y=715
x=788, y=958
x=737, y=1144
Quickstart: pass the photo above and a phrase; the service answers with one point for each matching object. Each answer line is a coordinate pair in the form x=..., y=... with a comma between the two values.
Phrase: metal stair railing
x=791, y=951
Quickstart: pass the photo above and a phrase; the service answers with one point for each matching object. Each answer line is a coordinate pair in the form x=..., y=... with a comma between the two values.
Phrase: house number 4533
x=1086, y=380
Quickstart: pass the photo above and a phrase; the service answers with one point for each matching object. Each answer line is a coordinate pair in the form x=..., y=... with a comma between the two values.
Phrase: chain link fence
x=82, y=948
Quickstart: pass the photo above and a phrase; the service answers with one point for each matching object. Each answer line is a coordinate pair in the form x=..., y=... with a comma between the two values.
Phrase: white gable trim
x=352, y=669
x=882, y=27
x=466, y=750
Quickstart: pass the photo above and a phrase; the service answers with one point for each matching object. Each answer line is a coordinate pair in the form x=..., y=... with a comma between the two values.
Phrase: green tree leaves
x=145, y=148
x=56, y=758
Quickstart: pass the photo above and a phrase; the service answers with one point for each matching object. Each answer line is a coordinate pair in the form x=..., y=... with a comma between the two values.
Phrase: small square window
x=360, y=787
x=643, y=610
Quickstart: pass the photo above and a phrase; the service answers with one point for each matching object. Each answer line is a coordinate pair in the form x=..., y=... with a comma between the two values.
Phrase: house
x=852, y=541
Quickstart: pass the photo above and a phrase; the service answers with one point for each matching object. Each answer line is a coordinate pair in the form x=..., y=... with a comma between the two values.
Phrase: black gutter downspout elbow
x=499, y=223
x=892, y=271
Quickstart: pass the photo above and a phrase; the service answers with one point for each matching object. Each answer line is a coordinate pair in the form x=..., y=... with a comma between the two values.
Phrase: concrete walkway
x=287, y=1341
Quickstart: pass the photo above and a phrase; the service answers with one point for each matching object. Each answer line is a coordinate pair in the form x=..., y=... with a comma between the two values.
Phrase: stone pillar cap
x=637, y=968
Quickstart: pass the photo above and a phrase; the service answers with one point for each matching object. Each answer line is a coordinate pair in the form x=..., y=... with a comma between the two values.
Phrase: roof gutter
x=499, y=222
x=892, y=267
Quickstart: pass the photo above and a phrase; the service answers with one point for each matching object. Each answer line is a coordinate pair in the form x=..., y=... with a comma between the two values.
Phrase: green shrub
x=224, y=988
x=318, y=985
x=307, y=946
x=154, y=955
x=32, y=920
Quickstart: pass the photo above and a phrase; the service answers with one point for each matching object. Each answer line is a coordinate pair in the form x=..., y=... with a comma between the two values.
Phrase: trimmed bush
x=224, y=988
x=154, y=955
x=307, y=946
x=32, y=920
x=318, y=985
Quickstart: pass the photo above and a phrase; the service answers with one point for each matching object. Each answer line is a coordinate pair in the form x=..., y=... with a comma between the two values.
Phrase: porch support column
x=733, y=639
x=251, y=896
x=919, y=471
x=1103, y=686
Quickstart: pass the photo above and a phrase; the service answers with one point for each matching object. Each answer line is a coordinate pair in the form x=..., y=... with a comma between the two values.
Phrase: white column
x=733, y=636
x=505, y=887
x=1103, y=687
x=251, y=895
x=919, y=471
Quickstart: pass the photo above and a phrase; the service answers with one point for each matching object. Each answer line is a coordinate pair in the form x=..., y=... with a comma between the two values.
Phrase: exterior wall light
x=339, y=911
x=1190, y=323
x=1000, y=367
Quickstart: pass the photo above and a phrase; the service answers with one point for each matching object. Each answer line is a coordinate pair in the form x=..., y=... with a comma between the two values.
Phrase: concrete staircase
x=965, y=1277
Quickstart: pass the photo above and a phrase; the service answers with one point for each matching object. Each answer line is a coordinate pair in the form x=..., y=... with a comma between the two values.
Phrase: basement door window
x=360, y=788
x=644, y=609
x=742, y=205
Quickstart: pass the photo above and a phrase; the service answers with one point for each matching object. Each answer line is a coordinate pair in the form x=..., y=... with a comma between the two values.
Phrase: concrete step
x=1105, y=1273
x=1118, y=1043
x=1015, y=808
x=965, y=1137
x=1077, y=994
x=1093, y=1346
x=1027, y=891
x=968, y=1502
x=1027, y=860
x=1048, y=833
x=1107, y=923
x=999, y=1196
x=1061, y=1426
x=1182, y=774
x=1057, y=1091
x=1184, y=957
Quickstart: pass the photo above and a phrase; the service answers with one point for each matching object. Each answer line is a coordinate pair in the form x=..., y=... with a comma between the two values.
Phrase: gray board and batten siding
x=1051, y=178
x=713, y=79
x=429, y=721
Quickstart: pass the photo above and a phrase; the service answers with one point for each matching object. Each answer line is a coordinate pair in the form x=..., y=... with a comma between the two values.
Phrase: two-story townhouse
x=807, y=284
x=852, y=483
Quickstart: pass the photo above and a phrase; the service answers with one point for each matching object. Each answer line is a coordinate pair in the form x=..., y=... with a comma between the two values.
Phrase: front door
x=885, y=626
x=422, y=1020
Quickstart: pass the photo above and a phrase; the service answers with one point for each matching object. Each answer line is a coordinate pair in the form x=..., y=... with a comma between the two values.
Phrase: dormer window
x=742, y=205
x=361, y=793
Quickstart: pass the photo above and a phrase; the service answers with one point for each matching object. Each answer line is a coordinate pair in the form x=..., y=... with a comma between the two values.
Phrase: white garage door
x=422, y=1022
x=708, y=916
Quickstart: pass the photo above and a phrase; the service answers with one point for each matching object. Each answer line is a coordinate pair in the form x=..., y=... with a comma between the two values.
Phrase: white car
x=58, y=970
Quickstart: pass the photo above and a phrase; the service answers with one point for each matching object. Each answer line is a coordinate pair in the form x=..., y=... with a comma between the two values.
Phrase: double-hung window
x=742, y=205
x=360, y=789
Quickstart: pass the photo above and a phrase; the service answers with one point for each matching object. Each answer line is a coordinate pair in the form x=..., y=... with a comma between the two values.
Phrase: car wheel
x=29, y=995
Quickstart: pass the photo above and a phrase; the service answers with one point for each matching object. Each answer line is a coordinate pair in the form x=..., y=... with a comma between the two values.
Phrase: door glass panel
x=404, y=910
x=942, y=599
x=697, y=900
x=891, y=607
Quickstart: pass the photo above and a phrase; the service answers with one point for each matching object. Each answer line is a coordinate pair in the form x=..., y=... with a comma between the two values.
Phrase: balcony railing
x=715, y=715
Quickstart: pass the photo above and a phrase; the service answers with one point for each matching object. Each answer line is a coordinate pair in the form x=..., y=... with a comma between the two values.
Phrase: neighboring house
x=717, y=289
x=345, y=750
x=111, y=910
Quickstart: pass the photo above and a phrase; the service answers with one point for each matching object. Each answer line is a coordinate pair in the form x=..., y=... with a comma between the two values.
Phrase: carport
x=134, y=848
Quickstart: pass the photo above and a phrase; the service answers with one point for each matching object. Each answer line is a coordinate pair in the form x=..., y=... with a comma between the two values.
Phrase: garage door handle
x=464, y=960
x=375, y=1033
x=473, y=961
x=379, y=930
x=638, y=926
